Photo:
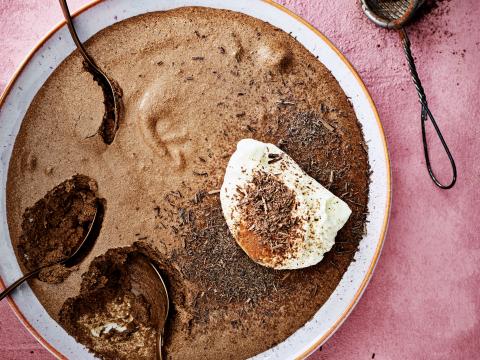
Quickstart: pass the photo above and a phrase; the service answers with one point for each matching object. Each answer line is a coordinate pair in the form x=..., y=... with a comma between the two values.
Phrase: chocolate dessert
x=195, y=81
x=54, y=227
x=109, y=316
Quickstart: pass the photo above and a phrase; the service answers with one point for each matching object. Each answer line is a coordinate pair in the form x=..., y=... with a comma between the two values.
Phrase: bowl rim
x=10, y=84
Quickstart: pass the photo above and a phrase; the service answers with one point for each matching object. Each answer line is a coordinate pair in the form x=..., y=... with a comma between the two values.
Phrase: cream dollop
x=318, y=214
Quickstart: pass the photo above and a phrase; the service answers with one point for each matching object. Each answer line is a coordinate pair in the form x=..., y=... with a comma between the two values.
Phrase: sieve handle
x=425, y=114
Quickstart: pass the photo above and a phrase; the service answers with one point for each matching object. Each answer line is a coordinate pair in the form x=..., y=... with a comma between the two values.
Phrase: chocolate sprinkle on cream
x=267, y=204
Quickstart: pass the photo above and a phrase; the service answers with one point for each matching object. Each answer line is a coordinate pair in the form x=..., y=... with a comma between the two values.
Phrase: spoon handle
x=73, y=33
x=425, y=114
x=71, y=260
x=13, y=286
x=159, y=346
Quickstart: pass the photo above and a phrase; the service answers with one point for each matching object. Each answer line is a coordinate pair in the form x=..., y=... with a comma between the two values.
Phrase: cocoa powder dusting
x=267, y=205
x=431, y=21
x=106, y=297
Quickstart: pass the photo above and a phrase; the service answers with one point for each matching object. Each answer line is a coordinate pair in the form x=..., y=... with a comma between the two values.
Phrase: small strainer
x=395, y=14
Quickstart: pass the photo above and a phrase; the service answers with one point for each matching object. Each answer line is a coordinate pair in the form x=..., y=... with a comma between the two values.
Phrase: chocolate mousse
x=195, y=81
x=54, y=227
x=108, y=316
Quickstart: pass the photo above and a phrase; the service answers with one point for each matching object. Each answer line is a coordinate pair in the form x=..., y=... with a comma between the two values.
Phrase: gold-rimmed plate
x=57, y=45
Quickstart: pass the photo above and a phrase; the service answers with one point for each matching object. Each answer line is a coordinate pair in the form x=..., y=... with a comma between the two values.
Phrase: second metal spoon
x=111, y=91
x=69, y=261
x=148, y=281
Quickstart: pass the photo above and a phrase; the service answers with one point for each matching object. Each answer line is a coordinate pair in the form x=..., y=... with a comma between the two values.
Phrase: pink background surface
x=424, y=299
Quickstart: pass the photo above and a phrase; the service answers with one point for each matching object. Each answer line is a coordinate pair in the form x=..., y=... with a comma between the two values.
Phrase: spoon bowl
x=111, y=90
x=74, y=258
x=146, y=280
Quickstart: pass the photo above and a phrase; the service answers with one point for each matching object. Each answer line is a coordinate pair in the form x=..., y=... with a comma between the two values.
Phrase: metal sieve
x=395, y=14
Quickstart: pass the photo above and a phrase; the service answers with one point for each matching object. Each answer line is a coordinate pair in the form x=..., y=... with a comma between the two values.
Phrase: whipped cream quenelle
x=280, y=216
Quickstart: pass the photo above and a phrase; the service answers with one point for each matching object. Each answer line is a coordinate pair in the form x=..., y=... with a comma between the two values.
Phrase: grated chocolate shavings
x=268, y=204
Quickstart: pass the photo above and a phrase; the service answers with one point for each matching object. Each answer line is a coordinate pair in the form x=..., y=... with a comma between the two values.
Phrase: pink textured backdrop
x=424, y=299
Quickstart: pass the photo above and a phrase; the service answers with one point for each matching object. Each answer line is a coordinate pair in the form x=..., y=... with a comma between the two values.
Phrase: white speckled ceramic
x=57, y=45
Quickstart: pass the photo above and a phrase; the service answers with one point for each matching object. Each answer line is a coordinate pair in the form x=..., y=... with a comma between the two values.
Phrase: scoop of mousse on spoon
x=147, y=281
x=74, y=258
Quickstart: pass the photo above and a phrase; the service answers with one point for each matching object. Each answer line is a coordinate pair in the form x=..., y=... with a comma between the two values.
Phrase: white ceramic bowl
x=57, y=45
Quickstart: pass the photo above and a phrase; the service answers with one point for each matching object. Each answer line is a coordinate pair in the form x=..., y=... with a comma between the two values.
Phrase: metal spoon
x=395, y=14
x=79, y=253
x=147, y=281
x=111, y=91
